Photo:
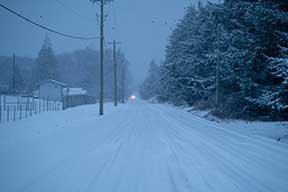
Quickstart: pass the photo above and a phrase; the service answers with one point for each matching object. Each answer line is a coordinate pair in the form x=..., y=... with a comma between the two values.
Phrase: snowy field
x=138, y=147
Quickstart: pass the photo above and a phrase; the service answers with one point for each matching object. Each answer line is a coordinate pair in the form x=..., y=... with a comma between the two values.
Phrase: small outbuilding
x=74, y=91
x=51, y=89
x=76, y=96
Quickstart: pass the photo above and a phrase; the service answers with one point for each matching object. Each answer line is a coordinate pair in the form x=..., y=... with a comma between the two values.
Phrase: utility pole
x=101, y=72
x=14, y=75
x=218, y=65
x=101, y=91
x=115, y=71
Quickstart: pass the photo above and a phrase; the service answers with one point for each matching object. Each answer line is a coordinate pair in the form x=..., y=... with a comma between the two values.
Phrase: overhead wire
x=44, y=27
x=76, y=12
x=113, y=20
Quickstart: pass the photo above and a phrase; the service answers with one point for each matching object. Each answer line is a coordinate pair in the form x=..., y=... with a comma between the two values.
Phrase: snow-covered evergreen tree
x=253, y=58
x=260, y=38
x=150, y=86
x=188, y=71
x=46, y=63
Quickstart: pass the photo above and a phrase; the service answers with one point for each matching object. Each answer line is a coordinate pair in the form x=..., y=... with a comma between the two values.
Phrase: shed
x=76, y=96
x=51, y=89
x=74, y=91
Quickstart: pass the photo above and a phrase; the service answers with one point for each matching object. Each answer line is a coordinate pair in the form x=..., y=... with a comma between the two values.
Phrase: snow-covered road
x=137, y=147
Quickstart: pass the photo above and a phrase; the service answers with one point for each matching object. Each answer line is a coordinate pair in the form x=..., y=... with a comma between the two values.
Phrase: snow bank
x=272, y=130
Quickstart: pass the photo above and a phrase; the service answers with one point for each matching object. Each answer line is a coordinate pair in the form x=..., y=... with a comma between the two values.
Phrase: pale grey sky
x=143, y=27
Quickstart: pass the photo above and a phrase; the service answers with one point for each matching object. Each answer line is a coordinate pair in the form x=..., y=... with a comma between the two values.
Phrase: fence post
x=4, y=102
x=43, y=105
x=35, y=109
x=33, y=102
x=63, y=103
x=8, y=113
x=26, y=109
x=18, y=102
x=28, y=102
x=47, y=102
x=20, y=115
x=31, y=110
x=14, y=113
x=39, y=102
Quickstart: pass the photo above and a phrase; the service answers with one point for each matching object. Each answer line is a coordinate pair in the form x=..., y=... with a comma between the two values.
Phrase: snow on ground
x=137, y=147
x=272, y=130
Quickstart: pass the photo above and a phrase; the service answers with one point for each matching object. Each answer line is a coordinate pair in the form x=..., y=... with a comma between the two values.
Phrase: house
x=51, y=89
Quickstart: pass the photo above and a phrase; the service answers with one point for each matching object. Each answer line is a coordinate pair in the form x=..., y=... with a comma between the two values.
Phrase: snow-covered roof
x=74, y=91
x=52, y=81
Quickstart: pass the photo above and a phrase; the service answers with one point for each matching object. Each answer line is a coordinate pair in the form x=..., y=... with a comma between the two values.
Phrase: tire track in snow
x=53, y=168
x=227, y=164
x=179, y=171
x=173, y=145
x=246, y=179
x=109, y=163
x=149, y=122
x=256, y=152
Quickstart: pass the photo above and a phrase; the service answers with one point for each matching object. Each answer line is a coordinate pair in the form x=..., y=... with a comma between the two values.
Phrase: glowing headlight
x=132, y=97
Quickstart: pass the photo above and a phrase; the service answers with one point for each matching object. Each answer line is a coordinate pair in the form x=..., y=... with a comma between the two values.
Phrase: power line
x=113, y=20
x=46, y=28
x=75, y=12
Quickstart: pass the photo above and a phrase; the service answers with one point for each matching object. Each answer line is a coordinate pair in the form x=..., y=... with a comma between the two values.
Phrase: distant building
x=76, y=96
x=51, y=89
x=74, y=91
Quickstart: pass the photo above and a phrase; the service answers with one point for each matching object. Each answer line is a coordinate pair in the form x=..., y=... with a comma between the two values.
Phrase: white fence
x=16, y=107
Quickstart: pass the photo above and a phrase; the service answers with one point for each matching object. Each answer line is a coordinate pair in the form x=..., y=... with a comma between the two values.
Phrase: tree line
x=77, y=69
x=253, y=60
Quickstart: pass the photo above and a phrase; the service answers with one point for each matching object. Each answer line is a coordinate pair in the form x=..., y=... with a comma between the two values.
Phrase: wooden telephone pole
x=115, y=72
x=101, y=90
x=101, y=74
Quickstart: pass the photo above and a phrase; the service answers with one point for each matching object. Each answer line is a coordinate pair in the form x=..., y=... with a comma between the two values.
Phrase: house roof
x=52, y=81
